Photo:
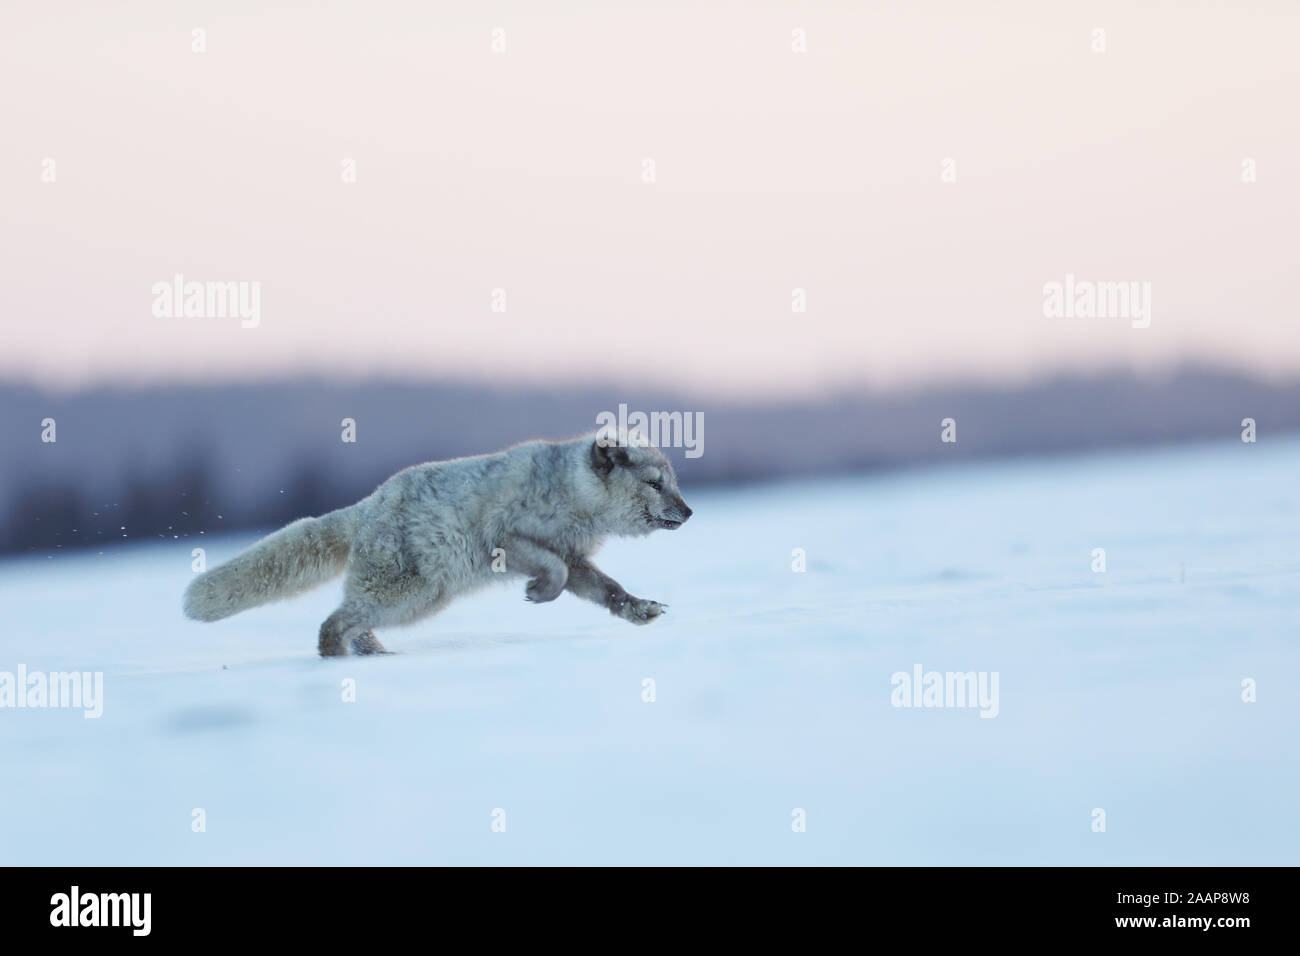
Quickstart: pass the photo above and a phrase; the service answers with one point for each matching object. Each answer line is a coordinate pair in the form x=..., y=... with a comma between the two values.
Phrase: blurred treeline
x=174, y=462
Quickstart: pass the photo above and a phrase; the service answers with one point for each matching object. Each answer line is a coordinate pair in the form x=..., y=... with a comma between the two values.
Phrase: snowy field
x=1119, y=690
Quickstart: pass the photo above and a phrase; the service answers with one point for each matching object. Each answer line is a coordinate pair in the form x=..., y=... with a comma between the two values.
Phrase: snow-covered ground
x=1119, y=690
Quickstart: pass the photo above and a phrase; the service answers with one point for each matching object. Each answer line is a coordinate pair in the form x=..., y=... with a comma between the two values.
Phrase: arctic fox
x=438, y=530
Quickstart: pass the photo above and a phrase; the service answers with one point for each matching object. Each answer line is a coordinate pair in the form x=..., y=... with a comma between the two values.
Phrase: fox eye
x=654, y=484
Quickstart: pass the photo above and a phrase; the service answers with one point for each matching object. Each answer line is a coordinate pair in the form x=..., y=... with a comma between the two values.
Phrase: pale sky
x=523, y=171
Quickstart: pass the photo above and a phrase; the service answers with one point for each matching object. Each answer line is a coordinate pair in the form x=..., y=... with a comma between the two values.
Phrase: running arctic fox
x=438, y=530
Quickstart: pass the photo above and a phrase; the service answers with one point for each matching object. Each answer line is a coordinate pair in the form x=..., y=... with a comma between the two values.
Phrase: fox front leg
x=546, y=570
x=592, y=584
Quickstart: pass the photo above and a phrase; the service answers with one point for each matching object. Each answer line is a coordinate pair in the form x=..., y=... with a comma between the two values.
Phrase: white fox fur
x=432, y=532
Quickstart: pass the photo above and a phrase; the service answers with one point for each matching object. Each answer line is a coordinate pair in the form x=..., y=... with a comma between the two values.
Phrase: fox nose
x=686, y=510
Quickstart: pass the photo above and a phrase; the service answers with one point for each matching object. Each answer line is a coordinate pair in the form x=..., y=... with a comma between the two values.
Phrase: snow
x=1119, y=690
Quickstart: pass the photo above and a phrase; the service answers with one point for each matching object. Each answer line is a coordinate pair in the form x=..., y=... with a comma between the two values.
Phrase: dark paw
x=640, y=611
x=331, y=647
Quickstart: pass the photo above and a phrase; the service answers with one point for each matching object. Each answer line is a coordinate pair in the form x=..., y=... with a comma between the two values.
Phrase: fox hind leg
x=345, y=627
x=366, y=643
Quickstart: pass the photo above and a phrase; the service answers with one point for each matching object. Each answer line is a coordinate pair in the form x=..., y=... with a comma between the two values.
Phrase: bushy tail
x=294, y=559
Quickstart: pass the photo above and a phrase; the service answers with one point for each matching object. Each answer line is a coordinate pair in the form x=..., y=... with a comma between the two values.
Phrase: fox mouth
x=655, y=521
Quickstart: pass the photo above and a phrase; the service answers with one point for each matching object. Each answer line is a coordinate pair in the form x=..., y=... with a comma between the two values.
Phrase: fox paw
x=544, y=588
x=331, y=646
x=367, y=643
x=640, y=611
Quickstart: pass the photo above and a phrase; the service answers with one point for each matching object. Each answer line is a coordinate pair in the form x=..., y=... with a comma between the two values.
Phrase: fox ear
x=605, y=456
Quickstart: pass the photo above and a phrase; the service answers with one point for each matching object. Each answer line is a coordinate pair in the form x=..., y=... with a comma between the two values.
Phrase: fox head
x=641, y=487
